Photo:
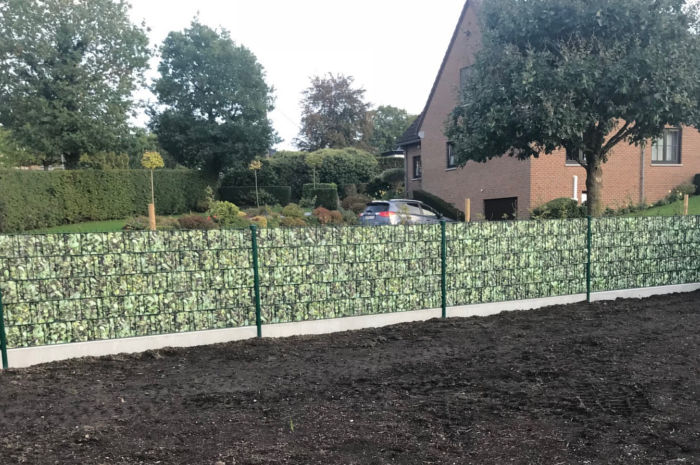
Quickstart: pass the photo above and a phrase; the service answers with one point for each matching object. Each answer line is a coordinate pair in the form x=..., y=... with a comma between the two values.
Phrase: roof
x=410, y=135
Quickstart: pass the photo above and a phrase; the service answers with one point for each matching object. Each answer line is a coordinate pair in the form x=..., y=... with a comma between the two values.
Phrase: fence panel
x=320, y=273
x=630, y=253
x=85, y=287
x=494, y=262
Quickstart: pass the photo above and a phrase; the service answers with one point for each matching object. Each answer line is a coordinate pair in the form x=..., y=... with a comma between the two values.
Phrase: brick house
x=505, y=185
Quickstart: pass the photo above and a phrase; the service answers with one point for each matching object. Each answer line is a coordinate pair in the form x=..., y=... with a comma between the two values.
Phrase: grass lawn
x=672, y=209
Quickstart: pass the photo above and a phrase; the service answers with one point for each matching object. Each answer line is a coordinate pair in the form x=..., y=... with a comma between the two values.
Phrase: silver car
x=399, y=211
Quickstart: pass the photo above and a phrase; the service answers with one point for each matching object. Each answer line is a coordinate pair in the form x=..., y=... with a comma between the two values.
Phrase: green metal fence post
x=3, y=336
x=256, y=279
x=589, y=241
x=443, y=271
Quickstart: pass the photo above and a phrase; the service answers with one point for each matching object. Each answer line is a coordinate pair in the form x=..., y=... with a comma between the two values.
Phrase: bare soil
x=604, y=383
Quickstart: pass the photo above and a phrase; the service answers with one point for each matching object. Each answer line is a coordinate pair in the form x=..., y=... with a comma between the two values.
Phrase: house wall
x=499, y=178
x=552, y=178
x=412, y=184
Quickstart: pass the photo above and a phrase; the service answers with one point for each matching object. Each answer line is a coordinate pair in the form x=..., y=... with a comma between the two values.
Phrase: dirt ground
x=606, y=383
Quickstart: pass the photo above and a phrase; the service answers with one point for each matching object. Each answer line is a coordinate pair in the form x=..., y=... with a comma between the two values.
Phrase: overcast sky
x=393, y=48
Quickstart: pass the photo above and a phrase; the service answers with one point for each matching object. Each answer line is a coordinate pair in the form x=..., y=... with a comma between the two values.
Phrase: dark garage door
x=501, y=209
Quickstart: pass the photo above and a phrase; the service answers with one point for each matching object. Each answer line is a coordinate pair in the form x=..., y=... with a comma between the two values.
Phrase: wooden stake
x=685, y=205
x=152, y=216
x=468, y=210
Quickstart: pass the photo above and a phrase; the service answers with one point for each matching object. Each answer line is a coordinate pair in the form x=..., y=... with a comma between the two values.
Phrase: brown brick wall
x=552, y=178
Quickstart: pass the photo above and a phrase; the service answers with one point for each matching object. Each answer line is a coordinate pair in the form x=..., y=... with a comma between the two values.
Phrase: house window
x=451, y=162
x=667, y=148
x=417, y=168
x=575, y=158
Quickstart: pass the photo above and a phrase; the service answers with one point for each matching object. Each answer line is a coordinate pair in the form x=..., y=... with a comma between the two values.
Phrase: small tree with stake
x=152, y=161
x=255, y=166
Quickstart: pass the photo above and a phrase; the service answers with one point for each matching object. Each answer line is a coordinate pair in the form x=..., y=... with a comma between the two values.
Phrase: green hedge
x=41, y=199
x=696, y=181
x=326, y=194
x=442, y=206
x=242, y=196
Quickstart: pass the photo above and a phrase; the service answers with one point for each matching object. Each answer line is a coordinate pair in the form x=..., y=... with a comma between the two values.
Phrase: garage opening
x=501, y=209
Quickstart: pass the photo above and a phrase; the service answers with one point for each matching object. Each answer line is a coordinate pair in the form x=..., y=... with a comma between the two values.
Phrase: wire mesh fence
x=84, y=287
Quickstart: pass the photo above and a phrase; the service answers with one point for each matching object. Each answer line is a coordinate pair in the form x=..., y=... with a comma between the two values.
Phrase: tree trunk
x=594, y=185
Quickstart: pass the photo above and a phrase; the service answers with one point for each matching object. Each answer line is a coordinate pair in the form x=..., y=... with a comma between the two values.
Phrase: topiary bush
x=42, y=199
x=227, y=215
x=356, y=203
x=195, y=222
x=326, y=195
x=267, y=195
x=563, y=207
x=291, y=222
x=292, y=211
x=442, y=206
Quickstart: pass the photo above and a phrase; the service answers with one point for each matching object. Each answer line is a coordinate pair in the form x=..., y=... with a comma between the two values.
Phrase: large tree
x=214, y=101
x=388, y=124
x=580, y=75
x=67, y=72
x=334, y=115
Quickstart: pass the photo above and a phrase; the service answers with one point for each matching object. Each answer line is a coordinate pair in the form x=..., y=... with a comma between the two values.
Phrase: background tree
x=583, y=75
x=388, y=124
x=334, y=115
x=67, y=73
x=214, y=101
x=12, y=154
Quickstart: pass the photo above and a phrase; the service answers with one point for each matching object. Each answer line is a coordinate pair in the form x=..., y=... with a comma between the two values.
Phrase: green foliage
x=141, y=223
x=38, y=199
x=678, y=192
x=334, y=114
x=105, y=161
x=68, y=70
x=227, y=215
x=215, y=101
x=291, y=170
x=442, y=206
x=293, y=211
x=386, y=163
x=245, y=195
x=563, y=207
x=377, y=188
x=388, y=124
x=579, y=75
x=152, y=161
x=326, y=195
x=346, y=166
x=13, y=154
x=394, y=176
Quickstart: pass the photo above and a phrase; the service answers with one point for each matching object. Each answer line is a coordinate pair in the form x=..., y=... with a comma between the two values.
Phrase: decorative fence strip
x=84, y=287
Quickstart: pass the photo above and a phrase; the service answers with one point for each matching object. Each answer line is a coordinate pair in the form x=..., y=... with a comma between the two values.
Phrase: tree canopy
x=580, y=75
x=213, y=100
x=67, y=73
x=388, y=124
x=334, y=114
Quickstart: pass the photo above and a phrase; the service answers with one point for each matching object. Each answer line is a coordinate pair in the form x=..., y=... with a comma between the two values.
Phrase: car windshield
x=376, y=208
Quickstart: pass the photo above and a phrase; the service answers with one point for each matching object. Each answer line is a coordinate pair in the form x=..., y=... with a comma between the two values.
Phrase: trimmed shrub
x=245, y=195
x=291, y=222
x=442, y=206
x=227, y=215
x=292, y=170
x=292, y=211
x=678, y=192
x=696, y=181
x=326, y=216
x=196, y=222
x=141, y=223
x=377, y=188
x=259, y=221
x=42, y=199
x=326, y=195
x=563, y=207
x=347, y=166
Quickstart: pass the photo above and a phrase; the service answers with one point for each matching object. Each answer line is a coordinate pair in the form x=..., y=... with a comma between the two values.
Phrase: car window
x=427, y=211
x=377, y=207
x=414, y=209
